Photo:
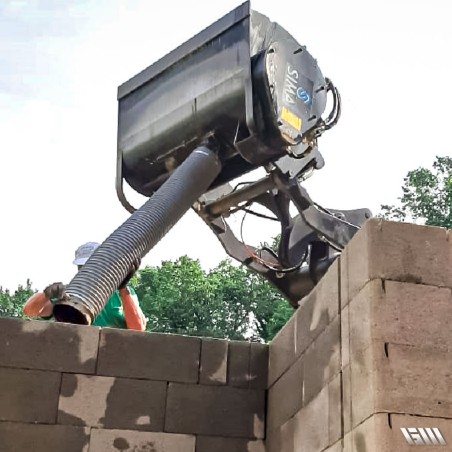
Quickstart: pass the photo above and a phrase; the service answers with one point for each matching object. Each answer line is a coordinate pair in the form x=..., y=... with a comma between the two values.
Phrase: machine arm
x=309, y=243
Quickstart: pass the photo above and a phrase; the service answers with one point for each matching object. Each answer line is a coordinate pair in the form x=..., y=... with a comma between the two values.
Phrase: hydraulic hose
x=90, y=289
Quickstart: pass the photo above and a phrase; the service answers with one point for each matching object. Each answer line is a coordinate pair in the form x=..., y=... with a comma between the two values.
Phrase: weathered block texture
x=112, y=403
x=214, y=362
x=258, y=375
x=285, y=397
x=215, y=411
x=313, y=428
x=403, y=379
x=399, y=343
x=129, y=440
x=322, y=361
x=239, y=364
x=247, y=365
x=219, y=444
x=19, y=437
x=335, y=447
x=282, y=352
x=381, y=346
x=400, y=313
x=306, y=378
x=29, y=395
x=315, y=313
x=64, y=387
x=396, y=251
x=49, y=346
x=133, y=354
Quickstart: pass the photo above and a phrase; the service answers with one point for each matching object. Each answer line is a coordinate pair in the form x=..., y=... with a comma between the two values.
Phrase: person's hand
x=135, y=266
x=54, y=291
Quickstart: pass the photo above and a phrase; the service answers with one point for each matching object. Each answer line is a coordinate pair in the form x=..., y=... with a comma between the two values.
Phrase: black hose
x=91, y=288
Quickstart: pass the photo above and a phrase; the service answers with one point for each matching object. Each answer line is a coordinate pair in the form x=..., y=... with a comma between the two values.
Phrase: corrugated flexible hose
x=90, y=289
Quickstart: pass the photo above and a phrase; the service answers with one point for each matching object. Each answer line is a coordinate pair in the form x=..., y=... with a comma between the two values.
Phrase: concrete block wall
x=305, y=381
x=78, y=389
x=367, y=352
x=370, y=350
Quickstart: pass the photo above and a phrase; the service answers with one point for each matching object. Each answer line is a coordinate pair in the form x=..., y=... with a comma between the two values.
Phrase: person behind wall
x=121, y=311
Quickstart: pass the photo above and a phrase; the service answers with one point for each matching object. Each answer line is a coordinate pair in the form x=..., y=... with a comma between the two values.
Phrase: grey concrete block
x=29, y=395
x=214, y=362
x=37, y=344
x=130, y=440
x=215, y=411
x=107, y=402
x=19, y=437
x=134, y=354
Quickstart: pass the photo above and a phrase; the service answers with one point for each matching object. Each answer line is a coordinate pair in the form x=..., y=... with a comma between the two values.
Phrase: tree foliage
x=11, y=304
x=228, y=302
x=426, y=196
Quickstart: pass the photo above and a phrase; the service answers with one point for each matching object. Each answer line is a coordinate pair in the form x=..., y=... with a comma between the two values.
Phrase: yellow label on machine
x=291, y=118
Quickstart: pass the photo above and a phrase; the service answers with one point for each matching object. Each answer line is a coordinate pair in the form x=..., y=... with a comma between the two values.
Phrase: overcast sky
x=61, y=62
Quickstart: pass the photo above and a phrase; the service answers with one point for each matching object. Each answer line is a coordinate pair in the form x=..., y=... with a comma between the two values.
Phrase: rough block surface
x=400, y=313
x=282, y=351
x=318, y=309
x=396, y=251
x=215, y=411
x=388, y=351
x=310, y=320
x=214, y=361
x=285, y=397
x=239, y=364
x=258, y=374
x=219, y=444
x=125, y=353
x=401, y=378
x=19, y=437
x=28, y=395
x=112, y=403
x=314, y=427
x=35, y=344
x=129, y=440
x=322, y=361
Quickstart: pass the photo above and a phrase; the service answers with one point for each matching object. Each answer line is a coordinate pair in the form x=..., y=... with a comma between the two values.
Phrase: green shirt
x=112, y=316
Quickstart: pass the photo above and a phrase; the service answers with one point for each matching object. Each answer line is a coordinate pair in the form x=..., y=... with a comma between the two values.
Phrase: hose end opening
x=70, y=312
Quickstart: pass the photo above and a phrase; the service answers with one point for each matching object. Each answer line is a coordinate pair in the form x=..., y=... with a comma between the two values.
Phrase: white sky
x=61, y=62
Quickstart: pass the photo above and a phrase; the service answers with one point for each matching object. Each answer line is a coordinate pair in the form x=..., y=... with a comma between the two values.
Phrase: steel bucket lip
x=208, y=34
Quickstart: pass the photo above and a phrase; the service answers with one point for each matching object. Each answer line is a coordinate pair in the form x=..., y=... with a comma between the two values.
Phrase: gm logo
x=423, y=436
x=303, y=95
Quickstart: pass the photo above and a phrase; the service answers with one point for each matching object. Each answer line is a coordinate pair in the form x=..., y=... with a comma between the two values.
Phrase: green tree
x=176, y=298
x=251, y=304
x=11, y=304
x=426, y=196
x=228, y=302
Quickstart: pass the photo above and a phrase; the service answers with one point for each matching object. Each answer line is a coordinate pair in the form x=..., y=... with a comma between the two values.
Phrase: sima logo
x=291, y=89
